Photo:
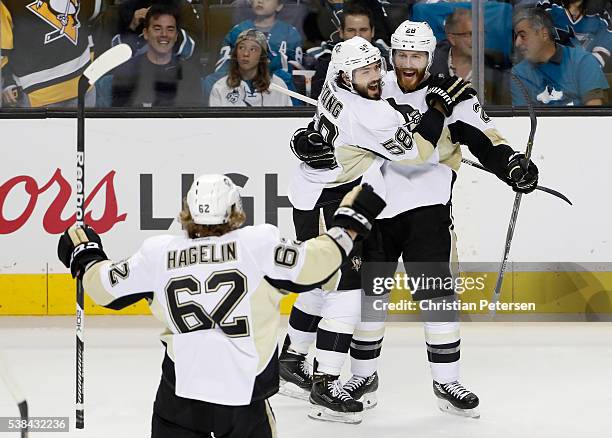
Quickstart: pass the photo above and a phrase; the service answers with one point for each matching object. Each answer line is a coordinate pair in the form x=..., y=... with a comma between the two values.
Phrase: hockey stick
x=542, y=188
x=100, y=66
x=17, y=395
x=517, y=197
x=293, y=94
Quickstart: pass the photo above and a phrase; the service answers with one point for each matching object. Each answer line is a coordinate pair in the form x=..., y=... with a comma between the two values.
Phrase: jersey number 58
x=400, y=143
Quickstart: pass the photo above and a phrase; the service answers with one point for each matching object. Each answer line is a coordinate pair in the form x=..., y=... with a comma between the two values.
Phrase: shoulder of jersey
x=156, y=243
x=281, y=25
x=243, y=25
x=342, y=94
x=259, y=233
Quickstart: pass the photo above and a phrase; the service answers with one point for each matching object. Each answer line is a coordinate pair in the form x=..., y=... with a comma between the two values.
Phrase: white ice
x=534, y=380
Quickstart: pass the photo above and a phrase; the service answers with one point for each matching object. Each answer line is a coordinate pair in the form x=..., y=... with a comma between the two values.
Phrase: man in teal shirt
x=553, y=74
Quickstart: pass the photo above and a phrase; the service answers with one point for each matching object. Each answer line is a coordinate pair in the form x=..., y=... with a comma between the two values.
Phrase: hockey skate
x=363, y=389
x=455, y=399
x=295, y=380
x=330, y=402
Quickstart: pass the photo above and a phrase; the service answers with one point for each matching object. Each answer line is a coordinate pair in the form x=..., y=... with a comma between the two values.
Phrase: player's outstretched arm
x=299, y=267
x=112, y=285
x=471, y=126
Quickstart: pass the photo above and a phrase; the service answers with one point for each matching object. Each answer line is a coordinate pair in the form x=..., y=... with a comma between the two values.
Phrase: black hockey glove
x=308, y=145
x=448, y=92
x=521, y=174
x=78, y=247
x=358, y=209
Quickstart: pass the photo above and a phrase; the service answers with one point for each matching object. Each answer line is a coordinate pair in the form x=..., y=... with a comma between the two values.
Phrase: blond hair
x=236, y=220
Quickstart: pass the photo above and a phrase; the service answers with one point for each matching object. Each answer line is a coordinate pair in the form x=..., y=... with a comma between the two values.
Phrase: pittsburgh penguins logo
x=356, y=263
x=61, y=15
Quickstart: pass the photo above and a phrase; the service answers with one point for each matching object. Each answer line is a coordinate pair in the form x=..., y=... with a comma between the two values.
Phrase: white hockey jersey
x=364, y=133
x=410, y=186
x=218, y=298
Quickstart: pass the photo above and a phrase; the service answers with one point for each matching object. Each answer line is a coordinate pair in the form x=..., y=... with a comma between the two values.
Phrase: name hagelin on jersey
x=206, y=253
x=61, y=15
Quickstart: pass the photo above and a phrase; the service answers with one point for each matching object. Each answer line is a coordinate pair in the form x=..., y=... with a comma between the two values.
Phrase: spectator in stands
x=248, y=81
x=284, y=40
x=355, y=20
x=453, y=56
x=132, y=15
x=576, y=25
x=45, y=48
x=157, y=77
x=554, y=74
x=455, y=53
x=324, y=23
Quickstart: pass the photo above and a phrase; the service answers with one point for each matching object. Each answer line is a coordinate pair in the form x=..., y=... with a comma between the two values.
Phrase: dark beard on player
x=365, y=91
x=409, y=83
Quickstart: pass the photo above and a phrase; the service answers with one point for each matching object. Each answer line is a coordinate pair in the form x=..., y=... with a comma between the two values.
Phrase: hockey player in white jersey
x=363, y=132
x=217, y=288
x=417, y=222
x=363, y=128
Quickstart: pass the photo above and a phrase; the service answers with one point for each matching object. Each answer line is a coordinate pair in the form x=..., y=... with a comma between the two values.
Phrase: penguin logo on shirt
x=61, y=15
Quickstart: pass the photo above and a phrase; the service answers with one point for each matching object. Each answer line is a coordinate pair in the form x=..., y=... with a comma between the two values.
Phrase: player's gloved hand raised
x=78, y=247
x=310, y=147
x=521, y=173
x=448, y=92
x=358, y=209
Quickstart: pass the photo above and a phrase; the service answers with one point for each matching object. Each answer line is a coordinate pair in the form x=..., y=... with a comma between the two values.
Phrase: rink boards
x=137, y=171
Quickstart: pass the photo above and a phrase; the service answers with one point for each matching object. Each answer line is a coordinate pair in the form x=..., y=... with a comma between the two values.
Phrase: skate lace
x=338, y=391
x=304, y=368
x=354, y=383
x=456, y=390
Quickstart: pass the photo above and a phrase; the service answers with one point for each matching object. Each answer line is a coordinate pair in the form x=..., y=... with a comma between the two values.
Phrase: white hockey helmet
x=348, y=56
x=211, y=199
x=414, y=35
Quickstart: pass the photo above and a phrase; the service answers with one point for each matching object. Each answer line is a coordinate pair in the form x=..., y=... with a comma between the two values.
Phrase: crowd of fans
x=228, y=53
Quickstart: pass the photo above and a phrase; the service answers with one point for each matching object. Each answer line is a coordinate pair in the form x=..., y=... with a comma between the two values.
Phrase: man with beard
x=417, y=222
x=363, y=131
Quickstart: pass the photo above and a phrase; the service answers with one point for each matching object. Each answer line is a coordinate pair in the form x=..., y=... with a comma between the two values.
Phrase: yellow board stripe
x=552, y=292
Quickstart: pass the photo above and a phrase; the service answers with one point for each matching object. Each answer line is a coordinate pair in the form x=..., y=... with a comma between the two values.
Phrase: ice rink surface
x=549, y=380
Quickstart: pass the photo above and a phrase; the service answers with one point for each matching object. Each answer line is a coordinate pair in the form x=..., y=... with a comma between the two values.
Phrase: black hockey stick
x=102, y=65
x=23, y=413
x=542, y=188
x=517, y=197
